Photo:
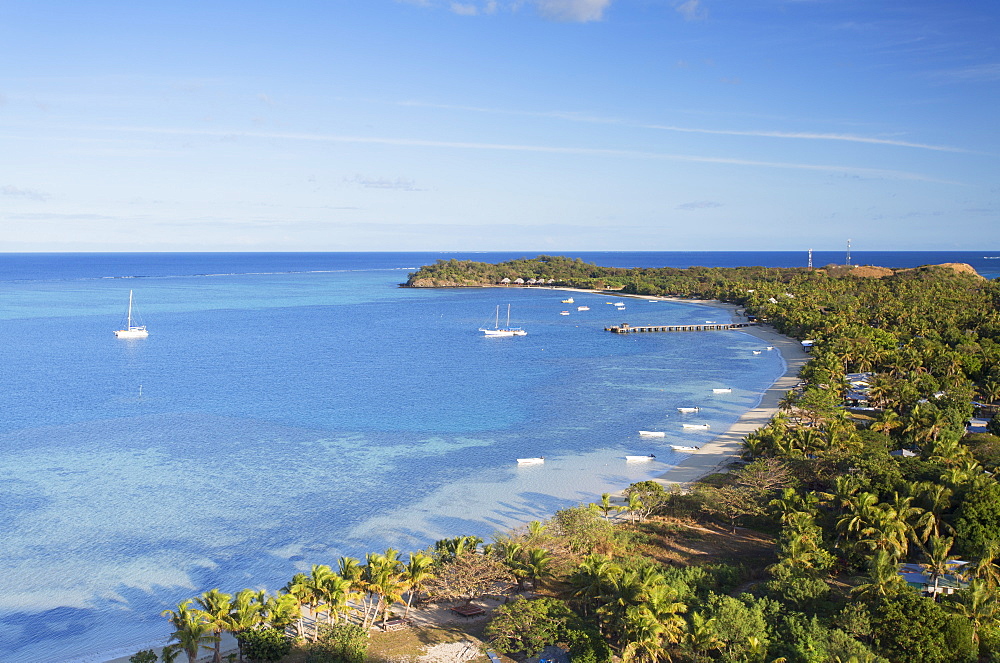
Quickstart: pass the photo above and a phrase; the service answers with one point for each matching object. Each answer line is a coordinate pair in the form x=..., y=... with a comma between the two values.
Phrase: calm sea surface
x=288, y=409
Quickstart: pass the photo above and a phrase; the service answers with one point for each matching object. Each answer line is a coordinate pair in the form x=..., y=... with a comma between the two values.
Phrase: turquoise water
x=286, y=410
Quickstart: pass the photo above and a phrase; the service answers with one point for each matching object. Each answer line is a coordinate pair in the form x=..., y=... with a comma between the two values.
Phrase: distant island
x=861, y=524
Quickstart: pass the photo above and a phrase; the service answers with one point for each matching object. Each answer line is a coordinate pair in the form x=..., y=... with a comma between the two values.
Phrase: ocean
x=287, y=409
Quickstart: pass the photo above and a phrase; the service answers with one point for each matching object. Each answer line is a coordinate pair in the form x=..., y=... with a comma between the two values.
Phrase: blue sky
x=499, y=125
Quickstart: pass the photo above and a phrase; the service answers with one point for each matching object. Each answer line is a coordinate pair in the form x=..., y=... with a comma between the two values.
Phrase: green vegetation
x=814, y=525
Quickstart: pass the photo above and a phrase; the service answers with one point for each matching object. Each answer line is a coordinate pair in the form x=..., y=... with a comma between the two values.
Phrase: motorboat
x=652, y=433
x=531, y=461
x=695, y=426
x=687, y=410
x=640, y=458
x=722, y=390
x=681, y=447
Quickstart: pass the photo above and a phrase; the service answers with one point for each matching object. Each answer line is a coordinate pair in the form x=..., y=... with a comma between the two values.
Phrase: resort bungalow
x=918, y=577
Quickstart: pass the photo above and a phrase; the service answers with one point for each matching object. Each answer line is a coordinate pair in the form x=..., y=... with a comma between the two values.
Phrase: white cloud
x=580, y=11
x=21, y=192
x=692, y=10
x=699, y=204
x=397, y=184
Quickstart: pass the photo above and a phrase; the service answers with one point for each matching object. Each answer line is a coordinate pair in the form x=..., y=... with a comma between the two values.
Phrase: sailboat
x=131, y=331
x=503, y=331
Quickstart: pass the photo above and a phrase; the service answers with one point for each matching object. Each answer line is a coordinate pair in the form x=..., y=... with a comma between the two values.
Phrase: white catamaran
x=503, y=331
x=130, y=330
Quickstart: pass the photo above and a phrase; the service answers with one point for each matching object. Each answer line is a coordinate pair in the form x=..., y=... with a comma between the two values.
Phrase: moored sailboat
x=503, y=331
x=130, y=330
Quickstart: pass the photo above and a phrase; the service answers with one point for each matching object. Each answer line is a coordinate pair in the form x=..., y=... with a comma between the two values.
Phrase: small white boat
x=681, y=447
x=756, y=352
x=723, y=390
x=130, y=330
x=769, y=348
x=563, y=312
x=620, y=308
x=582, y=308
x=531, y=461
x=567, y=301
x=637, y=459
x=619, y=303
x=695, y=426
x=503, y=331
x=651, y=433
x=687, y=410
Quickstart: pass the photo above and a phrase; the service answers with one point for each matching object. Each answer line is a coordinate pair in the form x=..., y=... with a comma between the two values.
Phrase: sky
x=478, y=125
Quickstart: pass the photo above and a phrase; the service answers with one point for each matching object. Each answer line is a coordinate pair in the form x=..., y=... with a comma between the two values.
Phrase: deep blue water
x=287, y=409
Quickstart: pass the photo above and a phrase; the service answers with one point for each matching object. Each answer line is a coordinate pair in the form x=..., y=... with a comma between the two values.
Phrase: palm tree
x=884, y=578
x=416, y=574
x=298, y=588
x=245, y=613
x=980, y=604
x=605, y=506
x=191, y=631
x=702, y=636
x=537, y=565
x=215, y=607
x=937, y=563
x=987, y=569
x=633, y=506
x=319, y=578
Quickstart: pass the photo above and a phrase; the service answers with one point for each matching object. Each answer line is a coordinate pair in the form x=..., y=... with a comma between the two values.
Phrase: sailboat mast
x=129, y=325
x=508, y=316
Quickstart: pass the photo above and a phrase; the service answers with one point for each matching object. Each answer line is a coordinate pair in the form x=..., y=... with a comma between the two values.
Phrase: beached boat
x=681, y=447
x=130, y=330
x=723, y=390
x=503, y=331
x=687, y=410
x=531, y=461
x=582, y=308
x=567, y=301
x=695, y=426
x=652, y=433
x=637, y=459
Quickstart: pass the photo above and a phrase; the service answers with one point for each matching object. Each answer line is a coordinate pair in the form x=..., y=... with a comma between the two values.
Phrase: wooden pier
x=639, y=329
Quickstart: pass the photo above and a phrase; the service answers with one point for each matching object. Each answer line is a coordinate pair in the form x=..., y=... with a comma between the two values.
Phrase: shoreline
x=714, y=455
x=725, y=447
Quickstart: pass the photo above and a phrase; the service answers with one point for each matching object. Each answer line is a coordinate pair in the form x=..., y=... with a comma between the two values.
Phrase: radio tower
x=848, y=252
x=810, y=258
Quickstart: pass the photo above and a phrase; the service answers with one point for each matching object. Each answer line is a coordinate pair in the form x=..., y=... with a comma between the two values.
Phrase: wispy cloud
x=542, y=149
x=581, y=11
x=699, y=204
x=21, y=192
x=982, y=73
x=692, y=10
x=397, y=184
x=759, y=133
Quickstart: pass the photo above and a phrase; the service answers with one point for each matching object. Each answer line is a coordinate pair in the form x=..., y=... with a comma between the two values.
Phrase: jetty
x=639, y=329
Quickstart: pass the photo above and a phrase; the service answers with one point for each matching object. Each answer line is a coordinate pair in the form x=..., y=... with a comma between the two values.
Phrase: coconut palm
x=987, y=569
x=980, y=604
x=883, y=577
x=245, y=613
x=298, y=589
x=605, y=506
x=215, y=607
x=937, y=563
x=537, y=565
x=191, y=632
x=416, y=574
